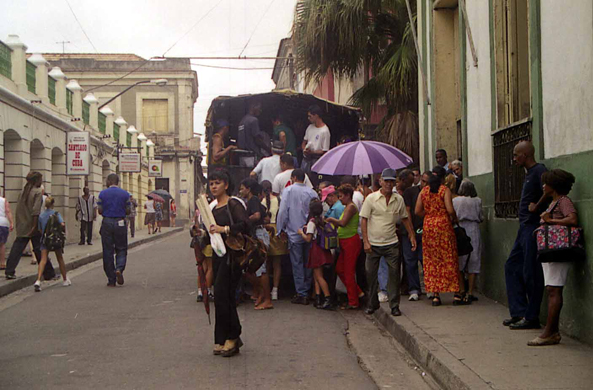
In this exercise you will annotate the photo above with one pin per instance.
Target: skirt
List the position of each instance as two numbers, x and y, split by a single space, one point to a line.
555 274
149 219
318 257
278 246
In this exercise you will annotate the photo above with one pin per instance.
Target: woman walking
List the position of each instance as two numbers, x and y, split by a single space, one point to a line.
231 219
158 215
557 184
468 208
46 238
149 218
6 226
439 246
350 245
173 212
278 245
318 257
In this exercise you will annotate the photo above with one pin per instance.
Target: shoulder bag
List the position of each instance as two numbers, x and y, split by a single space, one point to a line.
247 252
559 243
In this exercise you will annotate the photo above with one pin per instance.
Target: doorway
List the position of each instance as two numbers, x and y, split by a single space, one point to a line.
162 183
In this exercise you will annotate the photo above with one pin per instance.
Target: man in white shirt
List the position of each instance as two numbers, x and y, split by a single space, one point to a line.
282 180
86 213
269 167
316 140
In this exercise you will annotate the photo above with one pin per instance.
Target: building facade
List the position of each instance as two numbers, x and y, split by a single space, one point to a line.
502 71
159 104
39 105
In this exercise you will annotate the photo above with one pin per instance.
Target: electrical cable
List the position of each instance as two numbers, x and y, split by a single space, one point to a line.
256 26
82 28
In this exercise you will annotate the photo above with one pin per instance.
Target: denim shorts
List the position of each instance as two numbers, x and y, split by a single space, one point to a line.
3 234
262 234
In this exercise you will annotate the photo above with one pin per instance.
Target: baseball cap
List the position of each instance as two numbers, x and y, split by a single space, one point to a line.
277 147
327 191
388 174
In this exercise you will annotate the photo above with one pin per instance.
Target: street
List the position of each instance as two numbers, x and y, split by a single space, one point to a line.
151 334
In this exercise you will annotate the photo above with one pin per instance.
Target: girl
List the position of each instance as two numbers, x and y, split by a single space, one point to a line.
278 246
158 215
318 257
149 218
6 226
173 211
43 220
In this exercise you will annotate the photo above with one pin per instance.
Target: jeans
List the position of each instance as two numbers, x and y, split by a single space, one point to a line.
411 259
303 276
16 252
392 258
383 274
86 227
114 237
226 319
346 267
132 223
524 276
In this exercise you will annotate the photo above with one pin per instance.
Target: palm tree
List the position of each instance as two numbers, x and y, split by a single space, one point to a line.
347 37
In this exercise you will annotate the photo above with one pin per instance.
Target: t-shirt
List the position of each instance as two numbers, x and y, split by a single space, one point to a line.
254 206
335 211
268 168
317 138
358 199
410 198
44 219
282 180
312 229
290 138
562 208
273 209
26 209
531 193
114 202
383 217
247 131
3 219
149 205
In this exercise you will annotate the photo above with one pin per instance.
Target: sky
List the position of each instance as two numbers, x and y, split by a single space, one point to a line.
150 27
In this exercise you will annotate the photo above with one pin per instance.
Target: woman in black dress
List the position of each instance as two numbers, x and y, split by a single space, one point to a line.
227 328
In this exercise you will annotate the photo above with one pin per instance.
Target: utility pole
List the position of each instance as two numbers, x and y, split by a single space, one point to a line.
63 43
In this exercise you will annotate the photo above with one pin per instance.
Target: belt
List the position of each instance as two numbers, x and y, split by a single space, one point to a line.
114 217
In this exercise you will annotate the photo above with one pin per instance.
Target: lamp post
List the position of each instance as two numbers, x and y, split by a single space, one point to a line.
159 82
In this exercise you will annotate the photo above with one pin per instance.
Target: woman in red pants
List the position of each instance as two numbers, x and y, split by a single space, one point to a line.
350 245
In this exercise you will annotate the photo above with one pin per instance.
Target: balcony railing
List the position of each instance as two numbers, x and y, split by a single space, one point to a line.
508 177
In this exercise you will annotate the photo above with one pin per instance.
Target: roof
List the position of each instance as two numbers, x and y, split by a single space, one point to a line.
94 56
278 64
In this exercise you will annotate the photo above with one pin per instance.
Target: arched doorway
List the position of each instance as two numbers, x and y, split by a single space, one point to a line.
40 162
58 184
16 165
106 171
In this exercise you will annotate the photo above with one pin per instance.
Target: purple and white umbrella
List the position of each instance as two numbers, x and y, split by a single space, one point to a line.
361 158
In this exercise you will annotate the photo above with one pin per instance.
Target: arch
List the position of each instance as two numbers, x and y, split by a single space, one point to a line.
58 186
14 165
41 162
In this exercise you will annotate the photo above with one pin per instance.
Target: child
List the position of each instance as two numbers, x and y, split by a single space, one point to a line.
318 257
43 222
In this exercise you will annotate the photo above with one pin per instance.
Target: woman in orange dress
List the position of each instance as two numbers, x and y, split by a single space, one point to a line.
439 245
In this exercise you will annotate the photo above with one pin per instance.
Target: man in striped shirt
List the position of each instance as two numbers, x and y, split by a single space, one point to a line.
86 213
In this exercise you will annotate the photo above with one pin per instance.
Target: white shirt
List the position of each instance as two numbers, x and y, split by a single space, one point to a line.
149 205
317 138
86 207
268 168
358 200
312 229
3 220
282 180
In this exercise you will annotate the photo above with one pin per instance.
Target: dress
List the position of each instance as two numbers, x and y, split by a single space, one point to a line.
158 211
318 257
469 212
439 246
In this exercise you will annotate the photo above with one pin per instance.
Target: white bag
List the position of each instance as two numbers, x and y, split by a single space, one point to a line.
216 240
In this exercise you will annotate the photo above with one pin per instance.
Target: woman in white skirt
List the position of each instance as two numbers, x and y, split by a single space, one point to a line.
557 184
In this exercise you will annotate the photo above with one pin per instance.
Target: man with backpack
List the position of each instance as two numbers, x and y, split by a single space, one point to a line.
292 216
114 206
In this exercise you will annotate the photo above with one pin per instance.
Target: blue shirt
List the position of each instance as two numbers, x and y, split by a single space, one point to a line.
114 200
532 192
294 209
44 219
335 211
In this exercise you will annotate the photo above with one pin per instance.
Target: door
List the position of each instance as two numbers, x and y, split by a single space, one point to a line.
162 183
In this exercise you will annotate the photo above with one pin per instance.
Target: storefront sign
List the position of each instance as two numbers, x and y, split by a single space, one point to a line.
78 153
129 162
155 168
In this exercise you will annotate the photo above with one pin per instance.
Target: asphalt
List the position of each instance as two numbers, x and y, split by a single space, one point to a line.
151 334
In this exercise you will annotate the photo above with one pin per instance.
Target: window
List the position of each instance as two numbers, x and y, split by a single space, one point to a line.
116 132
51 89
69 98
5 61
86 112
155 115
128 139
31 77
102 123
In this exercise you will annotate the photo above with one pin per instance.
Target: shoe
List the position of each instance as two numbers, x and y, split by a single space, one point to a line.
217 349
9 277
552 340
274 294
81 243
210 297
300 300
383 297
37 286
317 304
90 243
436 301
231 347
349 307
119 276
510 321
132 236
327 304
396 312
67 283
200 297
414 297
111 284
370 310
525 324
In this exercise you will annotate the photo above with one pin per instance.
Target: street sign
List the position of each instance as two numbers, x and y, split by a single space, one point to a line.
155 168
78 153
129 162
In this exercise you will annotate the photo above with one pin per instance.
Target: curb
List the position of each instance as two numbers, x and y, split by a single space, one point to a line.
448 371
27 281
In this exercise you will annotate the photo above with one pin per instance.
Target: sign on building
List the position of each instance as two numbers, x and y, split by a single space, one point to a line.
78 153
155 168
129 162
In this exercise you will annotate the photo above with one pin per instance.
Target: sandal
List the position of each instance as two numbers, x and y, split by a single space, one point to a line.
436 301
349 307
457 299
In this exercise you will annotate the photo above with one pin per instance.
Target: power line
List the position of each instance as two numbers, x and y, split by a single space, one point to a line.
232 68
256 26
124 76
82 28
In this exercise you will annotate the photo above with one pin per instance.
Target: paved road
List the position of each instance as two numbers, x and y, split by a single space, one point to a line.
151 334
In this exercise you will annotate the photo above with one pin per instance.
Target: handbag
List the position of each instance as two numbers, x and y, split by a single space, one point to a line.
247 252
464 242
559 243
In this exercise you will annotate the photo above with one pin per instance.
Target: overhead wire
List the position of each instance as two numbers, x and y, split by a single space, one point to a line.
82 28
256 26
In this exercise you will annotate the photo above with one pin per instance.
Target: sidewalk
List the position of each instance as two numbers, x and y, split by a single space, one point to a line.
74 256
467 347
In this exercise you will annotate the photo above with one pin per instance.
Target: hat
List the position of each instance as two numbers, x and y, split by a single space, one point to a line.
221 123
277 147
388 174
327 191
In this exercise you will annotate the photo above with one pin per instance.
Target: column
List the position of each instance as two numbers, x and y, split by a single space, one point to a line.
60 77
19 66
93 111
41 82
76 101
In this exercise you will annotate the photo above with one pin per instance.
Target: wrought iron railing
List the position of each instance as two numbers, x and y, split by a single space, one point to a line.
508 177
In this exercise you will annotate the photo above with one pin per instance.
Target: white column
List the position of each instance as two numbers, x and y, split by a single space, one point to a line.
19 65
76 101
93 110
108 112
41 82
60 77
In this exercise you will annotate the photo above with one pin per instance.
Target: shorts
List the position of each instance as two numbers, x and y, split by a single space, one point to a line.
555 274
262 235
149 219
4 231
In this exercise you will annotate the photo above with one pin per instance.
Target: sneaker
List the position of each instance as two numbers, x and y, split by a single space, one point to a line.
274 294
66 283
10 276
414 297
119 276
37 286
383 296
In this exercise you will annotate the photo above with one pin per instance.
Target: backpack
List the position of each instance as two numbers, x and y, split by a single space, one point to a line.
327 237
53 235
